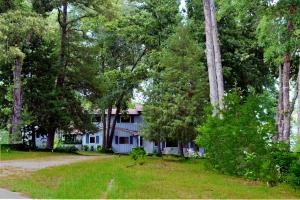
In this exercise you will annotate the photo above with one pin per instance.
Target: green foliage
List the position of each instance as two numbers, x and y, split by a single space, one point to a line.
138 154
4 136
99 148
85 147
178 90
241 143
293 176
66 149
237 143
242 56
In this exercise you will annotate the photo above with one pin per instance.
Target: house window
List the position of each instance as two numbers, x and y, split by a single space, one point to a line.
116 140
131 139
92 139
118 120
125 119
124 140
141 141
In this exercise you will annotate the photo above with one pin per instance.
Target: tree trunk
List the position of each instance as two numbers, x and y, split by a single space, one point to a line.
180 149
212 76
108 126
50 138
298 109
279 114
113 127
159 148
286 97
104 130
33 137
15 134
217 54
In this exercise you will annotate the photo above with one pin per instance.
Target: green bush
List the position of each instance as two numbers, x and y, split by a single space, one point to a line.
99 148
85 147
293 176
66 149
237 143
241 143
138 154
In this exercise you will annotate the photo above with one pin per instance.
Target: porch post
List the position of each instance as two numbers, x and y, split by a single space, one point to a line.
139 141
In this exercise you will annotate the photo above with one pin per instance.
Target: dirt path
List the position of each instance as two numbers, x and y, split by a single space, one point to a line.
15 167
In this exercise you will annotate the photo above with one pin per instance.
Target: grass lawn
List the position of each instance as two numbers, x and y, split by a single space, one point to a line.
14 155
117 177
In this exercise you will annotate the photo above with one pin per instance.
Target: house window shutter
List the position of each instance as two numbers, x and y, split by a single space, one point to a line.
97 139
116 140
87 138
131 139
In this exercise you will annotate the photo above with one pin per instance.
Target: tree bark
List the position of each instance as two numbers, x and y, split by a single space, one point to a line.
298 108
108 126
279 114
180 149
15 133
50 138
212 76
113 127
104 130
217 54
159 148
285 98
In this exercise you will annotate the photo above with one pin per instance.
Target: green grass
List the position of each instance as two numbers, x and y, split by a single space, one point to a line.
15 155
157 178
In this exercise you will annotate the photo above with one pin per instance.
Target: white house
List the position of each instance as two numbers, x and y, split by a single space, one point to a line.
127 136
127 133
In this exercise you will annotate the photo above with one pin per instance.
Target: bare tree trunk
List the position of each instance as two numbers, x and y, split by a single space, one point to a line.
50 138
15 133
104 130
212 76
113 127
279 114
217 54
298 108
286 96
108 126
159 147
180 149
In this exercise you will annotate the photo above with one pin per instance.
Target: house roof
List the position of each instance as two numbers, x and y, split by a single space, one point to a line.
130 111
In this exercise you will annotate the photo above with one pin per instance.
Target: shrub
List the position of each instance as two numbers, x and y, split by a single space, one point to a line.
106 150
237 143
99 148
66 149
138 154
293 176
85 147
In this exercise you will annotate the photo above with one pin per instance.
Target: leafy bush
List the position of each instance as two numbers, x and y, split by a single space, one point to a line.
4 136
106 150
138 154
237 143
85 147
241 143
66 149
293 176
99 148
